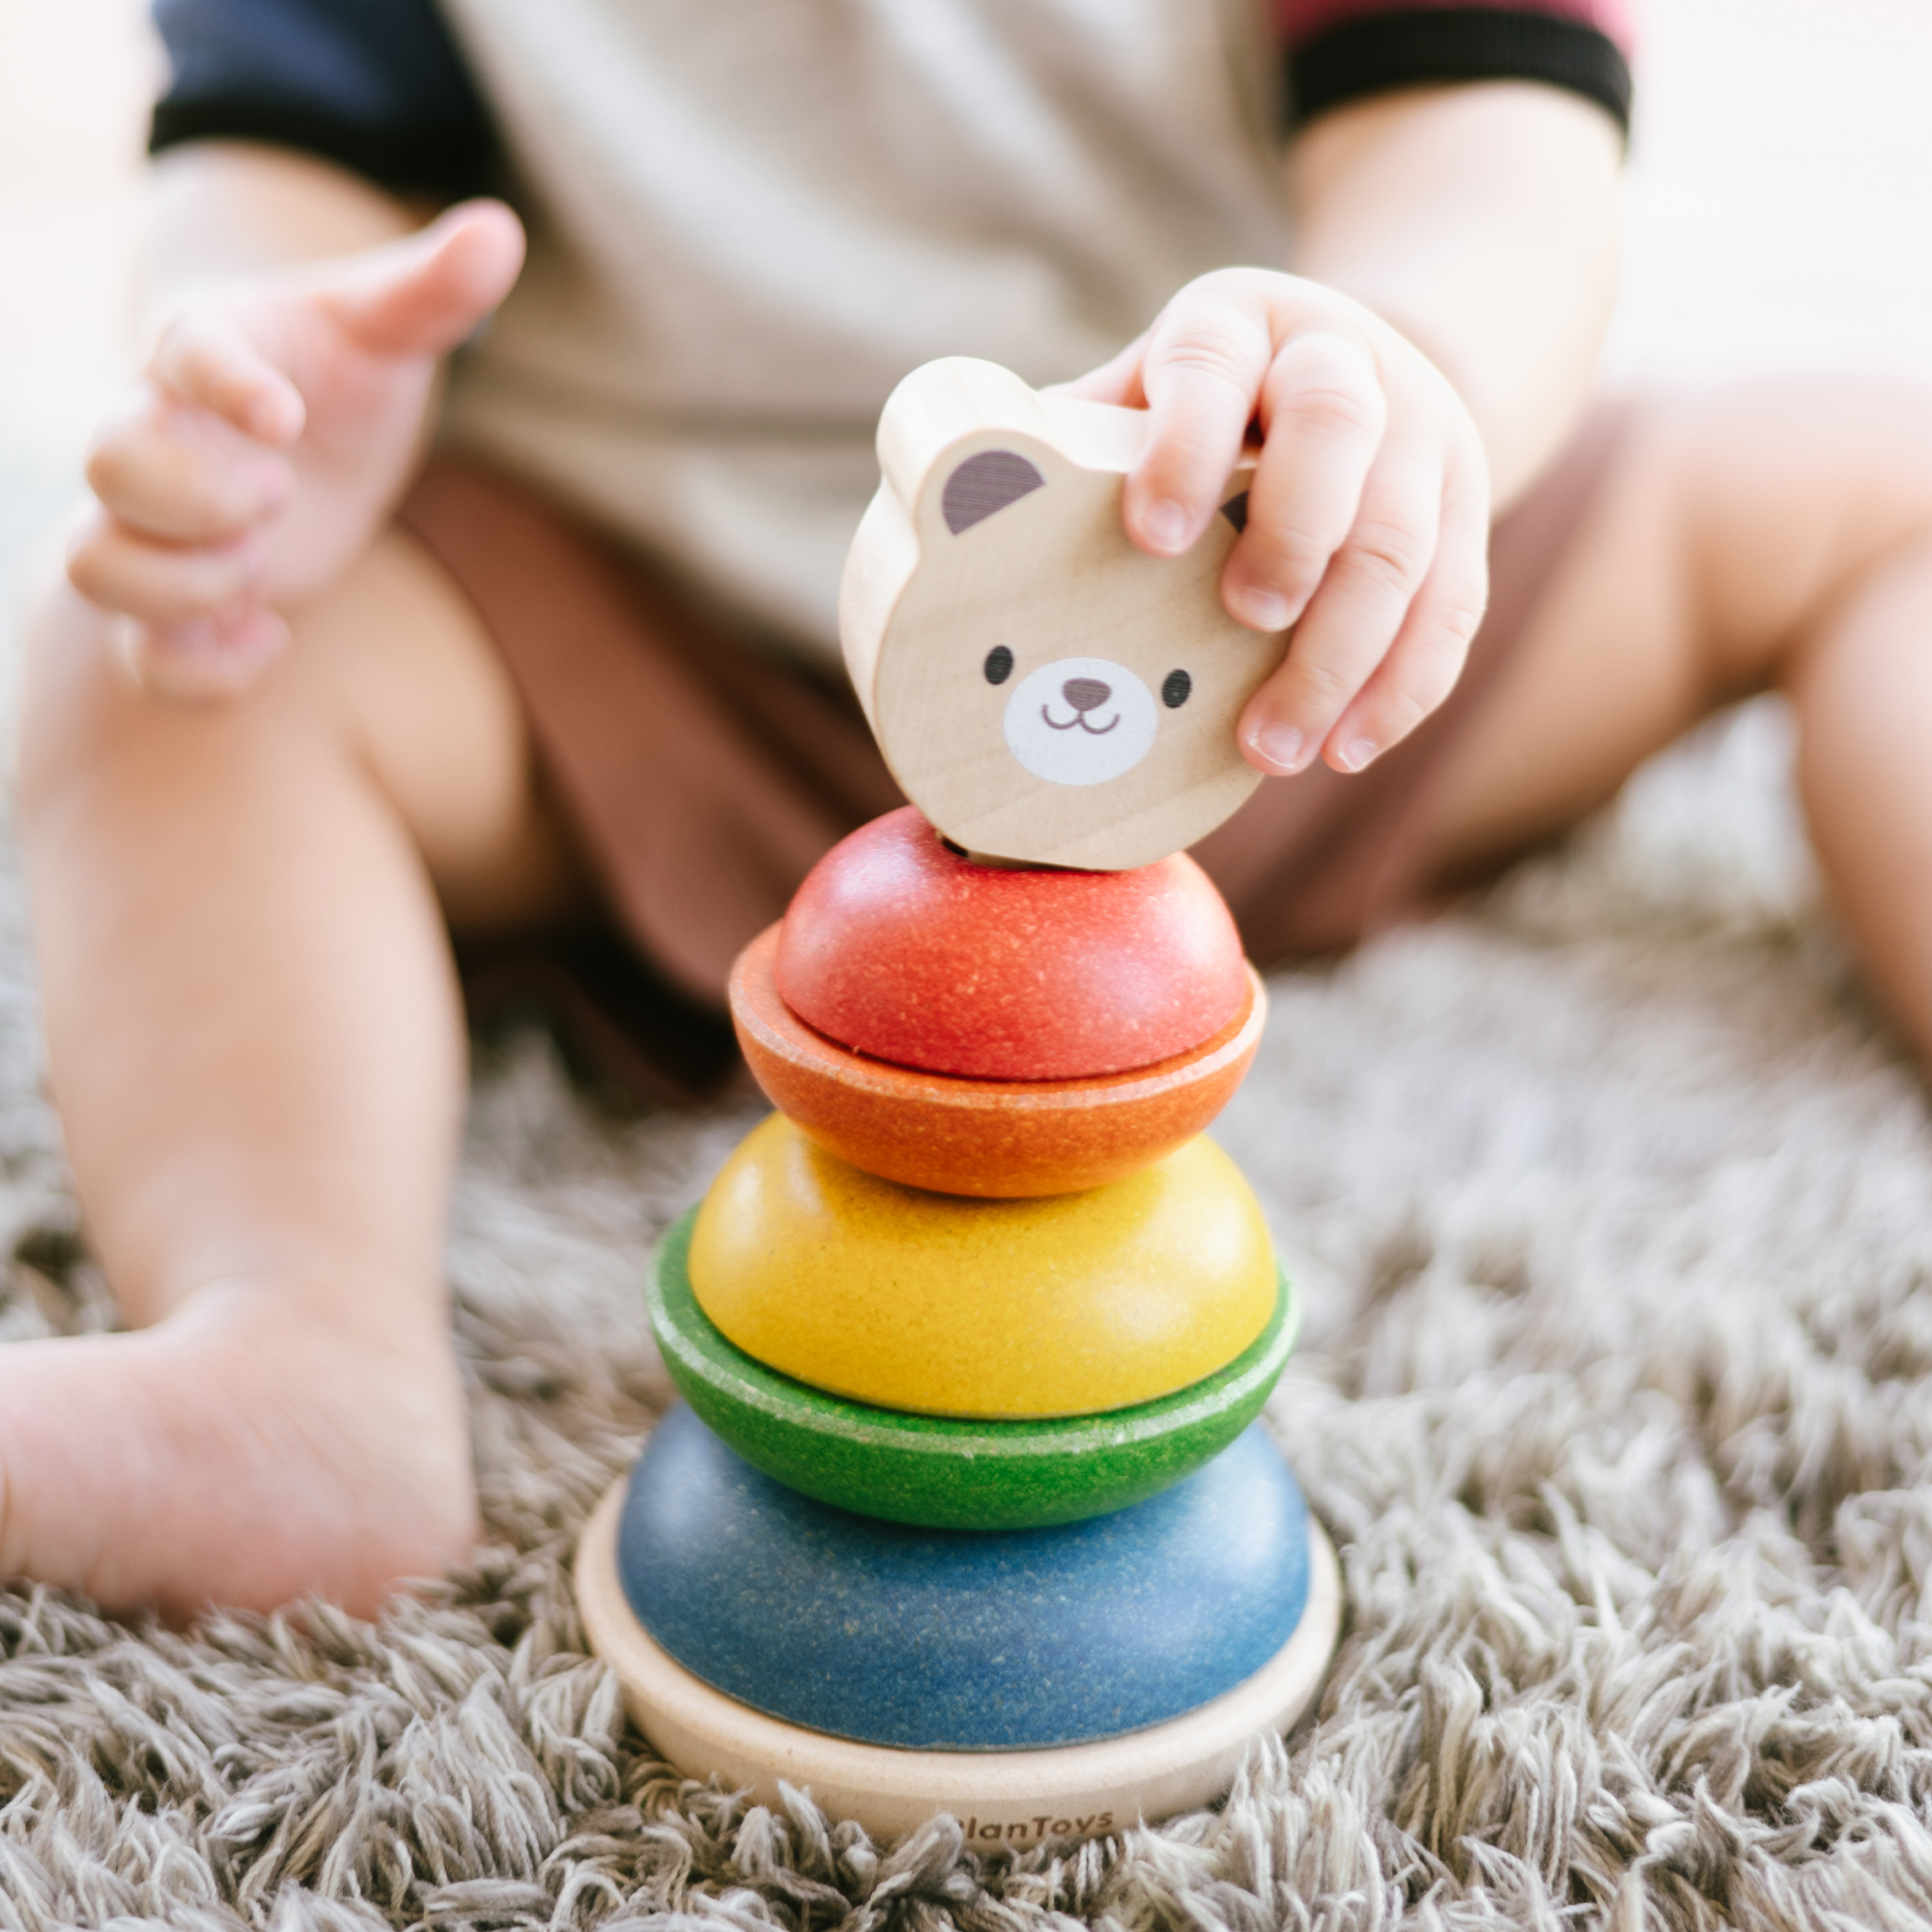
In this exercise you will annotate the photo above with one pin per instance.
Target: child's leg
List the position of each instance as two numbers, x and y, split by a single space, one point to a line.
1775 536
257 1050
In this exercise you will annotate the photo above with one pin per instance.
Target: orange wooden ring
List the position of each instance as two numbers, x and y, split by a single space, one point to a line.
1004 1139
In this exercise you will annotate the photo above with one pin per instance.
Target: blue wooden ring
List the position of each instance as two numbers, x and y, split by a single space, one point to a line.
950 1640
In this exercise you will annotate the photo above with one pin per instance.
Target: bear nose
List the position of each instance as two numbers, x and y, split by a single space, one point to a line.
1086 694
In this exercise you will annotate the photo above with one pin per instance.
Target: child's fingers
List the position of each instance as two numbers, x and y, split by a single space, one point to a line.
423 295
1323 414
1202 374
1356 614
210 658
158 584
172 470
1118 381
204 357
1427 656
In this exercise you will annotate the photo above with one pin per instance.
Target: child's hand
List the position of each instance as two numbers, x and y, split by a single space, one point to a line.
1368 518
272 431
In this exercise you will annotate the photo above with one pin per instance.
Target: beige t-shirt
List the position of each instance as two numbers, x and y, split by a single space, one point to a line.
749 219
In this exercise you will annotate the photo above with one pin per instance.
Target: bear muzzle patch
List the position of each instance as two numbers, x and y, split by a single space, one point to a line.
1081 720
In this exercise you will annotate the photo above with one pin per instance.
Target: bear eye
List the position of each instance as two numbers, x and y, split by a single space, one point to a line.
1174 694
1000 665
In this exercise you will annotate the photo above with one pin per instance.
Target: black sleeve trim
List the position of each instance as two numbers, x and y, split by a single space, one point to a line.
451 161
379 86
1426 45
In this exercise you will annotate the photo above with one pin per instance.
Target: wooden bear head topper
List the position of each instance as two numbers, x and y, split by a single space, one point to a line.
1042 690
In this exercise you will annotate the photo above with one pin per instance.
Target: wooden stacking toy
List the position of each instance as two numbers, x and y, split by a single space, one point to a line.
967 1508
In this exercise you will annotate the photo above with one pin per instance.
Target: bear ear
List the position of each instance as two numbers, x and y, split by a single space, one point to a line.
985 483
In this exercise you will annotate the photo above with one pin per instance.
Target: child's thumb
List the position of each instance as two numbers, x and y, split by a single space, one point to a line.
424 293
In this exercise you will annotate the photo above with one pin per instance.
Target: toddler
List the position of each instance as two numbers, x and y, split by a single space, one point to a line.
418 599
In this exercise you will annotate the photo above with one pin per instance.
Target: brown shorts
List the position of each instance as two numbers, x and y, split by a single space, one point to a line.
703 777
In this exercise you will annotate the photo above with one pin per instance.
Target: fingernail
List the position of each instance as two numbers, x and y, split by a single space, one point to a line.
1356 753
1279 746
1164 525
1259 609
194 633
271 420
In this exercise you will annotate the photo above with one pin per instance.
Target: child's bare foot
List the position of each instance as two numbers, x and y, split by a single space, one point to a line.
252 1448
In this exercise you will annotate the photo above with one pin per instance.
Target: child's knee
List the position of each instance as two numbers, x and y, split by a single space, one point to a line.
1841 464
69 670
83 714
1772 499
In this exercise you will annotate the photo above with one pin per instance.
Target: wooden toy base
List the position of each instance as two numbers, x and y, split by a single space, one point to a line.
1014 1797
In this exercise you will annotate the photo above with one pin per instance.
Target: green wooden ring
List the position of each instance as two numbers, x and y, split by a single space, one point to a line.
940 1472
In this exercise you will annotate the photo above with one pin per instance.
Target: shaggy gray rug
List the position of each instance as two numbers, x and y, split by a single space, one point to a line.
1610 1196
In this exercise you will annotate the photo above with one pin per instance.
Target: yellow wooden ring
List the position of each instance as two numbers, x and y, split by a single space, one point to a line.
1064 1305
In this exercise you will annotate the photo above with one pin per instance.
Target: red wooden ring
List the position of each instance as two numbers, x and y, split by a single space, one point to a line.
995 1138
